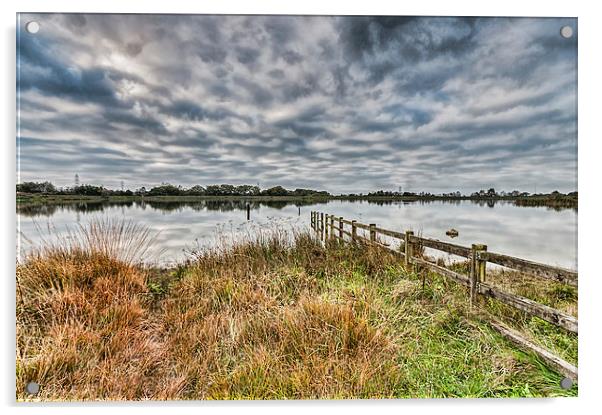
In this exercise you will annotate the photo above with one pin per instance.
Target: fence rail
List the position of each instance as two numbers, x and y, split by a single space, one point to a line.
333 227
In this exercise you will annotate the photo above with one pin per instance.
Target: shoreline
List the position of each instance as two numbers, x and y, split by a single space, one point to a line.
546 201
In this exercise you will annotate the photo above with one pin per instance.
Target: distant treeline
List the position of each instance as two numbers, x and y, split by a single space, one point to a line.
166 189
481 194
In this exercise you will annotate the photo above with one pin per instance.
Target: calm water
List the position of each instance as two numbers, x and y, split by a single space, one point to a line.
535 233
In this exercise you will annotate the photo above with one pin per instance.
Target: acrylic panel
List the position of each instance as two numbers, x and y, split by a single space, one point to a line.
295 207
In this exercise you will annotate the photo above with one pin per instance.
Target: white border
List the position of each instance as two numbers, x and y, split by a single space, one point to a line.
589 188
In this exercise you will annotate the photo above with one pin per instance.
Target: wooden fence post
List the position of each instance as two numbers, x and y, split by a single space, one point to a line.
372 232
353 231
311 220
326 226
341 228
408 248
331 226
482 264
321 225
477 271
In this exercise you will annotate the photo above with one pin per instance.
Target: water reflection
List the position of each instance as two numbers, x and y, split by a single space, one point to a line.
537 233
33 210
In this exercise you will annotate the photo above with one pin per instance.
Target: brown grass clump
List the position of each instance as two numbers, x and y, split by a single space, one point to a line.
250 322
83 331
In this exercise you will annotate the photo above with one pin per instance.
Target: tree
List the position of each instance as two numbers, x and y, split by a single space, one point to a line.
275 191
165 189
247 190
89 190
196 190
35 187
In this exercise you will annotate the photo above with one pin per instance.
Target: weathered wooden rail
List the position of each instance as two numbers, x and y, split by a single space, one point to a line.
333 227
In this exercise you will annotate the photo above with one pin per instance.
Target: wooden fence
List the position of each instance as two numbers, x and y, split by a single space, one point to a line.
336 227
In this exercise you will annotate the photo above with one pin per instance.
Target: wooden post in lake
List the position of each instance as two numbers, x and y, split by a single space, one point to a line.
372 232
341 228
299 211
409 248
477 270
248 211
353 231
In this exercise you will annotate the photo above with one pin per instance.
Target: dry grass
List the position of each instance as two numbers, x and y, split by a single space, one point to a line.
275 317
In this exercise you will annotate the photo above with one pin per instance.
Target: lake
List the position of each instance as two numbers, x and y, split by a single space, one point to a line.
536 233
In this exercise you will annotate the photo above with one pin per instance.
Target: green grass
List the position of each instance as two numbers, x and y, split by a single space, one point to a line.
268 319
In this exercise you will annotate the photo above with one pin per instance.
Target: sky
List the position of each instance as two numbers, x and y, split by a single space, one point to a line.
337 103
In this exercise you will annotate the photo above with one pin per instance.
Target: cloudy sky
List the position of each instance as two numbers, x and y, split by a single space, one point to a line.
345 104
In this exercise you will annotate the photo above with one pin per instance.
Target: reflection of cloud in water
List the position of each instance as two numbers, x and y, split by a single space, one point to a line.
534 233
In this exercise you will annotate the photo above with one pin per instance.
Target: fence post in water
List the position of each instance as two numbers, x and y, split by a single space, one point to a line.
299 211
341 227
477 270
248 211
353 231
408 248
372 232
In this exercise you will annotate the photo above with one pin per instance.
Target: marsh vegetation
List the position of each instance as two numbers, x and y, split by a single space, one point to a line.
277 315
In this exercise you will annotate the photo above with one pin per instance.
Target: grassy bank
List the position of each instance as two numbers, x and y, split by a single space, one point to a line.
266 319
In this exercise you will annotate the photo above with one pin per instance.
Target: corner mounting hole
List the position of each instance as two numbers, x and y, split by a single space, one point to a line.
566 383
32 27
566 32
32 388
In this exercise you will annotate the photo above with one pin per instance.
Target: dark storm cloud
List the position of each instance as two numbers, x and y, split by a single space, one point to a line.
42 71
348 104
247 56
